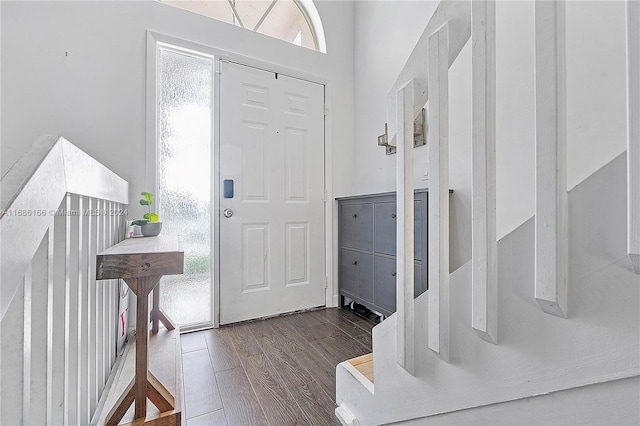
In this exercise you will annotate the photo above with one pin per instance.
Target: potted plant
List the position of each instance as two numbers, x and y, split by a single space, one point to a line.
149 224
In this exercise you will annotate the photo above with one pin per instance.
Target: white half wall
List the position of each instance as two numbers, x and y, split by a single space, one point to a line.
611 403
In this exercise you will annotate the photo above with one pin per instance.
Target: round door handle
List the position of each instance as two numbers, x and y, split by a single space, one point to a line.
354 263
227 213
393 215
355 216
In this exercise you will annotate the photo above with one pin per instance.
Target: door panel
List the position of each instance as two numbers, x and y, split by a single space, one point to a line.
255 256
297 260
255 161
272 146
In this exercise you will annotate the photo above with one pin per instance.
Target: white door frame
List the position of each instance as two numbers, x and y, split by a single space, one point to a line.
221 56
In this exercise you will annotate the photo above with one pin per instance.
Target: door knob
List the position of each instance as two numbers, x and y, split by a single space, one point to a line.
227 213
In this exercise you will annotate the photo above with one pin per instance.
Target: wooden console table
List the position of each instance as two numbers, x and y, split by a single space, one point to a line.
141 262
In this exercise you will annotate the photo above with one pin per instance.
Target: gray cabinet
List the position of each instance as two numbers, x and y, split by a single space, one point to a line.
367 249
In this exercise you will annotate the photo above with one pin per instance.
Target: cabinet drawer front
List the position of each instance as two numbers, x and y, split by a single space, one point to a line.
385 228
356 274
356 226
384 287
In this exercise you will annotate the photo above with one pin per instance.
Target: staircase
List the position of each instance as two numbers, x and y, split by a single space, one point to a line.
543 326
58 327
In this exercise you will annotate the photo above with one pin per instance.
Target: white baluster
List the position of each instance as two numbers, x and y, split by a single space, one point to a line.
102 306
484 314
404 235
438 209
112 292
109 286
58 319
71 337
38 332
92 307
83 312
551 229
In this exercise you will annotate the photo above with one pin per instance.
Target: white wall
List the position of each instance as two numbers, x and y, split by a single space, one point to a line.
386 33
596 126
77 69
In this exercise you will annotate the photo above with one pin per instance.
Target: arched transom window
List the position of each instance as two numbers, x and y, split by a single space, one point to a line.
295 21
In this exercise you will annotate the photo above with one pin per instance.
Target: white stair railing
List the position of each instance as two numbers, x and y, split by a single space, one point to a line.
58 329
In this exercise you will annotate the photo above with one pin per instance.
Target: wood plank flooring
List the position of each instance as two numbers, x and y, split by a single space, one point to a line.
278 371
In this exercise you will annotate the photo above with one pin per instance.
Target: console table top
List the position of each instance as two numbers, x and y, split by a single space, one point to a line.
141 257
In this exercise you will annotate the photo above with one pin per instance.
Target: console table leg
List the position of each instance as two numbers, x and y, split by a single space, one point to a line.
121 406
158 315
155 311
142 329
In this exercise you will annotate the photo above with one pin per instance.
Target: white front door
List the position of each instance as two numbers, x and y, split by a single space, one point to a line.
272 148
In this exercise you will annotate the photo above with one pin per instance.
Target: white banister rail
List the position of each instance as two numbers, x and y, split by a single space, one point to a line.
58 336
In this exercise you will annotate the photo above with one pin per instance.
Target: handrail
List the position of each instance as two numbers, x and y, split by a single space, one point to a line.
30 194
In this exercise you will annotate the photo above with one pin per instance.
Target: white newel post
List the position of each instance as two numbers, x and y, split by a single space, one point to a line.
404 229
633 141
551 229
484 244
438 209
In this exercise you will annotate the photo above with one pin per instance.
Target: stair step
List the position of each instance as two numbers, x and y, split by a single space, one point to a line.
364 364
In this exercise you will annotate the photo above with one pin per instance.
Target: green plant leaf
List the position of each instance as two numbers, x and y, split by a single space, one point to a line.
144 202
139 222
151 217
148 196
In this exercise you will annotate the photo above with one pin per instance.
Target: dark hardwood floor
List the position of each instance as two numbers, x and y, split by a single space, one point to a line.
278 371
